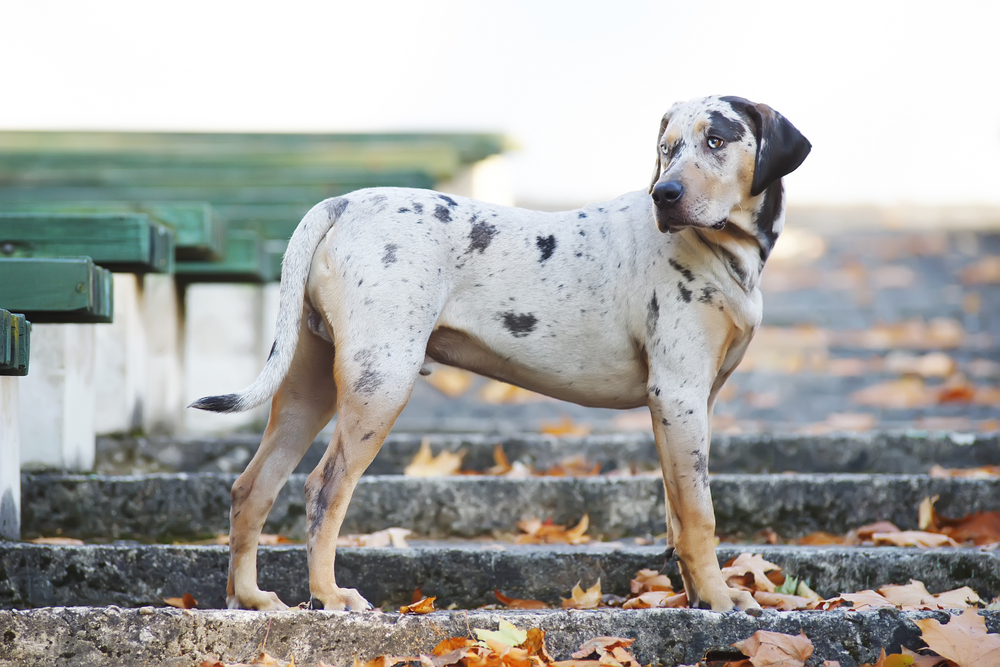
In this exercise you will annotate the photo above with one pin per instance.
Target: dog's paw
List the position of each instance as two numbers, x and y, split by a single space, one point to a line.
343 599
727 599
258 599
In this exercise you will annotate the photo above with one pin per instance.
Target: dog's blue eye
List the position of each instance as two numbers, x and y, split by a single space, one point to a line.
663 149
715 142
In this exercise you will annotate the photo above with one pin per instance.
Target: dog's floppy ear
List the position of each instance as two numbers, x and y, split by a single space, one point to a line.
780 147
659 154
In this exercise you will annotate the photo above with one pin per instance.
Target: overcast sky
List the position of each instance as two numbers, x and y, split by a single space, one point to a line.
901 100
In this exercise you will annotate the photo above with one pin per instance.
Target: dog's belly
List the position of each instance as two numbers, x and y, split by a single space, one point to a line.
570 373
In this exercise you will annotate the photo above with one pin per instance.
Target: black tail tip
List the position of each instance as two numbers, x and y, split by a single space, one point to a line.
224 403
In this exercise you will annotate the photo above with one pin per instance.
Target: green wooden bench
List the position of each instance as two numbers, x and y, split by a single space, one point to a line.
57 290
15 343
245 261
121 242
199 234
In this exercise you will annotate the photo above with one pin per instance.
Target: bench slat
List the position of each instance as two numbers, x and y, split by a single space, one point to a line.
122 242
57 290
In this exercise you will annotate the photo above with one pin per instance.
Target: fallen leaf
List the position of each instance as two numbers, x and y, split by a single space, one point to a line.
754 565
783 602
819 538
425 464
507 633
574 466
185 602
583 599
538 532
424 606
982 472
608 647
904 393
979 528
932 364
535 644
515 603
656 600
501 464
650 580
496 392
866 599
450 381
774 649
918 659
395 537
273 540
65 541
913 538
565 427
963 639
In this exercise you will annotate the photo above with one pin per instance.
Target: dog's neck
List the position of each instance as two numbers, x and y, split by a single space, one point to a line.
741 251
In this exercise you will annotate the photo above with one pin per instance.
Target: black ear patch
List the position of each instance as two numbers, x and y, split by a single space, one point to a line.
781 148
659 135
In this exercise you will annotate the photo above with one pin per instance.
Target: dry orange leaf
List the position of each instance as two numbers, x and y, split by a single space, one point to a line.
450 381
650 580
904 393
915 595
783 601
986 270
539 532
820 538
496 392
574 466
963 640
754 565
656 600
866 599
185 602
604 648
395 537
425 464
979 528
982 472
583 599
913 538
774 649
424 606
918 659
515 603
65 541
564 427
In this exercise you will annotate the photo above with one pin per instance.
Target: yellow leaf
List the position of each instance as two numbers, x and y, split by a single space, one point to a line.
583 599
452 382
425 464
424 606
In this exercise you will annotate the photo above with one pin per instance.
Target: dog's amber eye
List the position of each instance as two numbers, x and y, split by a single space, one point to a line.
715 142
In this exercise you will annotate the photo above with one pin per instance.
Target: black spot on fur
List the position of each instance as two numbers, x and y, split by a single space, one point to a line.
442 214
683 270
368 436
547 244
706 294
335 207
738 269
652 315
317 509
448 200
701 466
224 403
581 215
274 346
725 128
418 208
481 235
403 210
369 382
765 216
519 325
665 422
684 293
389 256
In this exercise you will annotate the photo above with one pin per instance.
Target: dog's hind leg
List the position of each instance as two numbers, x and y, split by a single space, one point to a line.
374 383
304 404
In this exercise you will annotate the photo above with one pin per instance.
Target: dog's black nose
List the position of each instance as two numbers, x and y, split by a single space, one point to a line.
665 194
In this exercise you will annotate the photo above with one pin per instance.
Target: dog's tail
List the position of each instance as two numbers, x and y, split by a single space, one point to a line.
294 274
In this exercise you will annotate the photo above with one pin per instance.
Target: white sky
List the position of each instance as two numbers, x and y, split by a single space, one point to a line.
901 100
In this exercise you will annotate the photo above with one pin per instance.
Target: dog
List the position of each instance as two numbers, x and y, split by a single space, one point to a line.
649 299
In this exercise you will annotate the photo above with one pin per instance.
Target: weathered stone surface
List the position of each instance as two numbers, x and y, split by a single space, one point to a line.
167 506
877 452
112 636
133 576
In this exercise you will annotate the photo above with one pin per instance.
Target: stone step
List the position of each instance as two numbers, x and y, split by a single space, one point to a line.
875 452
93 637
463 575
164 507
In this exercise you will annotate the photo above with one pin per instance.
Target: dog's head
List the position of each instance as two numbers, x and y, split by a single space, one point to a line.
717 156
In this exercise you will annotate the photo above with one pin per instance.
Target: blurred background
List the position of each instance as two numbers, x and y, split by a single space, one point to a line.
220 123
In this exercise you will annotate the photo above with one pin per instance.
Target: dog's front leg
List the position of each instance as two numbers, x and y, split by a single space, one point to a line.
681 428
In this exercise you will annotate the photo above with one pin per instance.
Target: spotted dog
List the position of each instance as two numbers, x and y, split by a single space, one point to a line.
649 299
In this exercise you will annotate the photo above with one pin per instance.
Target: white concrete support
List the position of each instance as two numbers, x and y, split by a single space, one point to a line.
163 399
10 461
56 415
223 352
487 180
120 361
